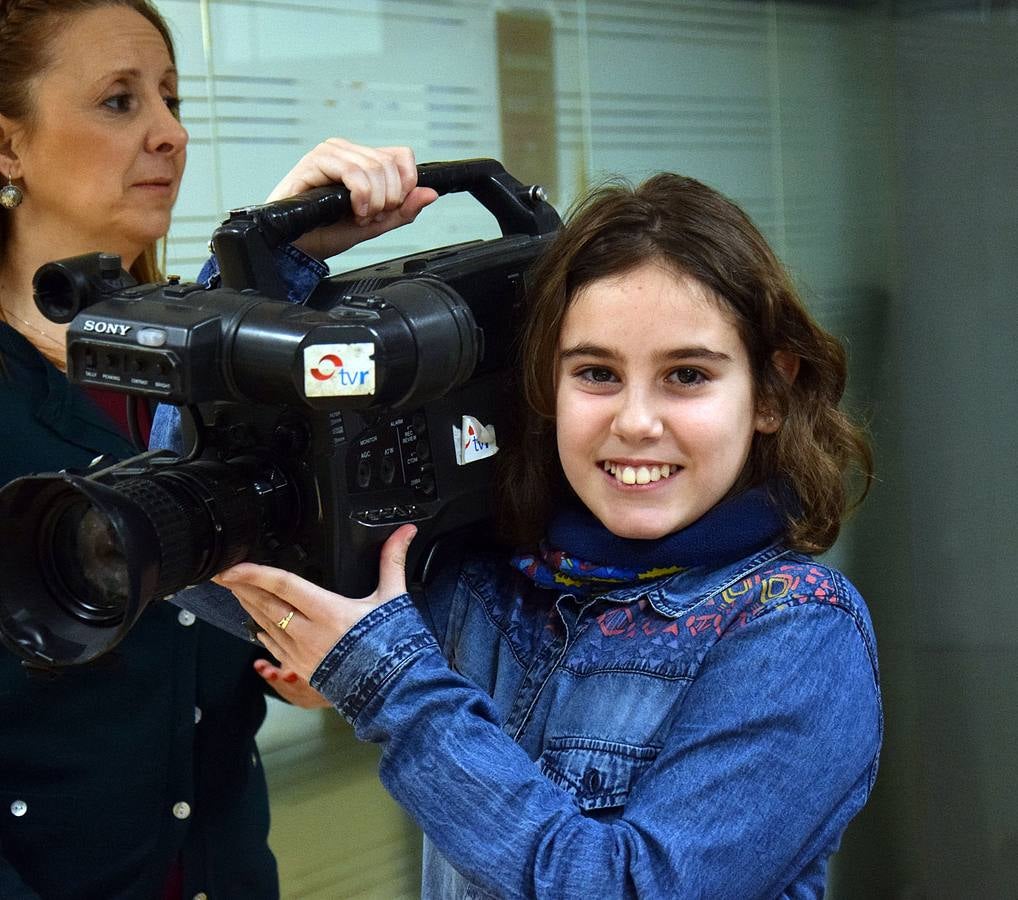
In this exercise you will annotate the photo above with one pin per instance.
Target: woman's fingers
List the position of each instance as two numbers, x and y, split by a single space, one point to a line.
378 179
290 686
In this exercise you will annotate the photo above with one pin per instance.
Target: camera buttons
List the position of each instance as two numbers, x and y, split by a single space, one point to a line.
152 337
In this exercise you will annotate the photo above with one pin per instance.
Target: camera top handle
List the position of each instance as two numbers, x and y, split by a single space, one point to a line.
243 243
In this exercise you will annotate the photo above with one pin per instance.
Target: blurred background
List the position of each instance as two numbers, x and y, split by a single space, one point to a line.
875 144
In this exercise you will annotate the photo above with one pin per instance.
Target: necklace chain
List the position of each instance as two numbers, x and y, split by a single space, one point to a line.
8 315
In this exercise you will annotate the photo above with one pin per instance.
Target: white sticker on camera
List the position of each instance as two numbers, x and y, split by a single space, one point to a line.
474 441
339 370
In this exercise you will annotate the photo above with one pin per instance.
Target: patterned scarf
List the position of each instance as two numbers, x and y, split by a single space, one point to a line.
581 554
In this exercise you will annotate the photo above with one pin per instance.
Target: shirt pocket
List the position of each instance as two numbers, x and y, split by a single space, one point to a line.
599 774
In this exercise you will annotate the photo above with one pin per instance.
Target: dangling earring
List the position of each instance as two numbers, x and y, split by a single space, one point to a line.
11 195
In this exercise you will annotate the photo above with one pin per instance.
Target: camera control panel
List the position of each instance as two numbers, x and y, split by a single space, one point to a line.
394 453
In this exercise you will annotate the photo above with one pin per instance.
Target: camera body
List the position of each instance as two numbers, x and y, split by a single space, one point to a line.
315 430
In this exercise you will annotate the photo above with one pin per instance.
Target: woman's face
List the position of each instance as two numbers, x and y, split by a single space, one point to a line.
102 158
655 401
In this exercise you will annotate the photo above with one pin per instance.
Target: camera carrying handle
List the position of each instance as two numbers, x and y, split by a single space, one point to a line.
243 243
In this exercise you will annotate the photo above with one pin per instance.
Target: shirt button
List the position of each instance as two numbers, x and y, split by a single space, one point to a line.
254 760
19 808
182 810
201 895
592 780
197 715
186 617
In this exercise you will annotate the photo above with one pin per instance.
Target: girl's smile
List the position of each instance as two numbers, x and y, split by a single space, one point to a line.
655 401
639 473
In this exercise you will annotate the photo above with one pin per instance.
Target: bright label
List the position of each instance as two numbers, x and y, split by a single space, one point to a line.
339 370
474 441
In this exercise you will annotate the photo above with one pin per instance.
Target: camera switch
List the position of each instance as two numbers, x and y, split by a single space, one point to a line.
152 337
364 473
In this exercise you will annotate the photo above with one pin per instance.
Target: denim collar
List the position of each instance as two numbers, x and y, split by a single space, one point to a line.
677 594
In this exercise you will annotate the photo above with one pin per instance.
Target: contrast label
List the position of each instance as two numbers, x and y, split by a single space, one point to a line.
339 370
474 441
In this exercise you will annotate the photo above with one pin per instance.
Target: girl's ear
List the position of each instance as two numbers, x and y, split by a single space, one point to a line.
787 364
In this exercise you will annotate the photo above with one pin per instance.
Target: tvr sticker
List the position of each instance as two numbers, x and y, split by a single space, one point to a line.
339 370
474 441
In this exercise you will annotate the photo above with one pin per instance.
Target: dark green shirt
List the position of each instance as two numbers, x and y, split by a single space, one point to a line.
111 773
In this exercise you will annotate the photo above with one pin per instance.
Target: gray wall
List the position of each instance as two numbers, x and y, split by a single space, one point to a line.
935 550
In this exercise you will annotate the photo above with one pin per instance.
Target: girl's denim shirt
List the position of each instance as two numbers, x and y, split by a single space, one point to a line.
710 735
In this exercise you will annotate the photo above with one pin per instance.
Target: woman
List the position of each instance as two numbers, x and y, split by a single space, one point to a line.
663 695
138 777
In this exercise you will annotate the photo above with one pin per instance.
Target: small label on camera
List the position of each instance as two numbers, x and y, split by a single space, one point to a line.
339 370
474 441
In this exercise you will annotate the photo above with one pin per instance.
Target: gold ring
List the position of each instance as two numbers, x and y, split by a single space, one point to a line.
283 622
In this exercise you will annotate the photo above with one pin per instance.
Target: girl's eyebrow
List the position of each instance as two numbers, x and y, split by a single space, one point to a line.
596 351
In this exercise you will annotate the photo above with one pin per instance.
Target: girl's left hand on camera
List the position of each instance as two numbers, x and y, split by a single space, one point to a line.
301 622
383 191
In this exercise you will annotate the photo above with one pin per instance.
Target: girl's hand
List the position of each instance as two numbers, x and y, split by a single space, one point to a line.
301 622
383 192
290 686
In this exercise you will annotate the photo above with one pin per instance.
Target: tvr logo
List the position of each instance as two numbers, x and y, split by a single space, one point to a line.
339 370
474 441
117 329
331 366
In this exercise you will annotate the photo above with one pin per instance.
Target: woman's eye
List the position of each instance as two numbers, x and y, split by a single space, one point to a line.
173 105
688 376
119 102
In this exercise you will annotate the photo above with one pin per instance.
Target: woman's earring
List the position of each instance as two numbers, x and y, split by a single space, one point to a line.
11 195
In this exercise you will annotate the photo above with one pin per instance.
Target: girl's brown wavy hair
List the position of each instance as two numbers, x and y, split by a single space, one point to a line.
699 233
27 31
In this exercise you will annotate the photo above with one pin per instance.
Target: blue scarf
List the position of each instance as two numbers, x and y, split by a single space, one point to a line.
581 554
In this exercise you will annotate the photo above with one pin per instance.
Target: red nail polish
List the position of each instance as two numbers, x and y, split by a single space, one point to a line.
291 678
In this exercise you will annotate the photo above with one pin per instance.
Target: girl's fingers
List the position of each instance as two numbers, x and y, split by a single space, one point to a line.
392 568
276 589
269 642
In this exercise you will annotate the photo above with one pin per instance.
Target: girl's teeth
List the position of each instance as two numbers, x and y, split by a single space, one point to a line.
639 474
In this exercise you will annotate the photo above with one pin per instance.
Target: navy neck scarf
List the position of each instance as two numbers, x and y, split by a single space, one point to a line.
580 553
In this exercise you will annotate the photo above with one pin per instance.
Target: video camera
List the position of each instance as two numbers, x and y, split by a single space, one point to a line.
316 430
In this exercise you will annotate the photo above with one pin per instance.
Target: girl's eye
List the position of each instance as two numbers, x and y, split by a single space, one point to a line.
119 102
173 105
687 376
596 375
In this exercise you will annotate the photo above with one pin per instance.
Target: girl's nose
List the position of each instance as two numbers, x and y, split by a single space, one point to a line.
637 417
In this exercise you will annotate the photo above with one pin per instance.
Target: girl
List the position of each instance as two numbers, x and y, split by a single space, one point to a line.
667 696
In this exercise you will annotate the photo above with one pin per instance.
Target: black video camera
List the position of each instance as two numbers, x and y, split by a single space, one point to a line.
315 430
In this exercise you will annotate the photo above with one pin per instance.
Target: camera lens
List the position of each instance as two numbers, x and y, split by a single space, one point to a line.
88 563
84 557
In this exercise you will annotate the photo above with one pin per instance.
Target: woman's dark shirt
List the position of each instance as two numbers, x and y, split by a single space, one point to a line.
111 773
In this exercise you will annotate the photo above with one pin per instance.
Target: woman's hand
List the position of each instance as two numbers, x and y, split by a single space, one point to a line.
383 192
301 622
290 686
